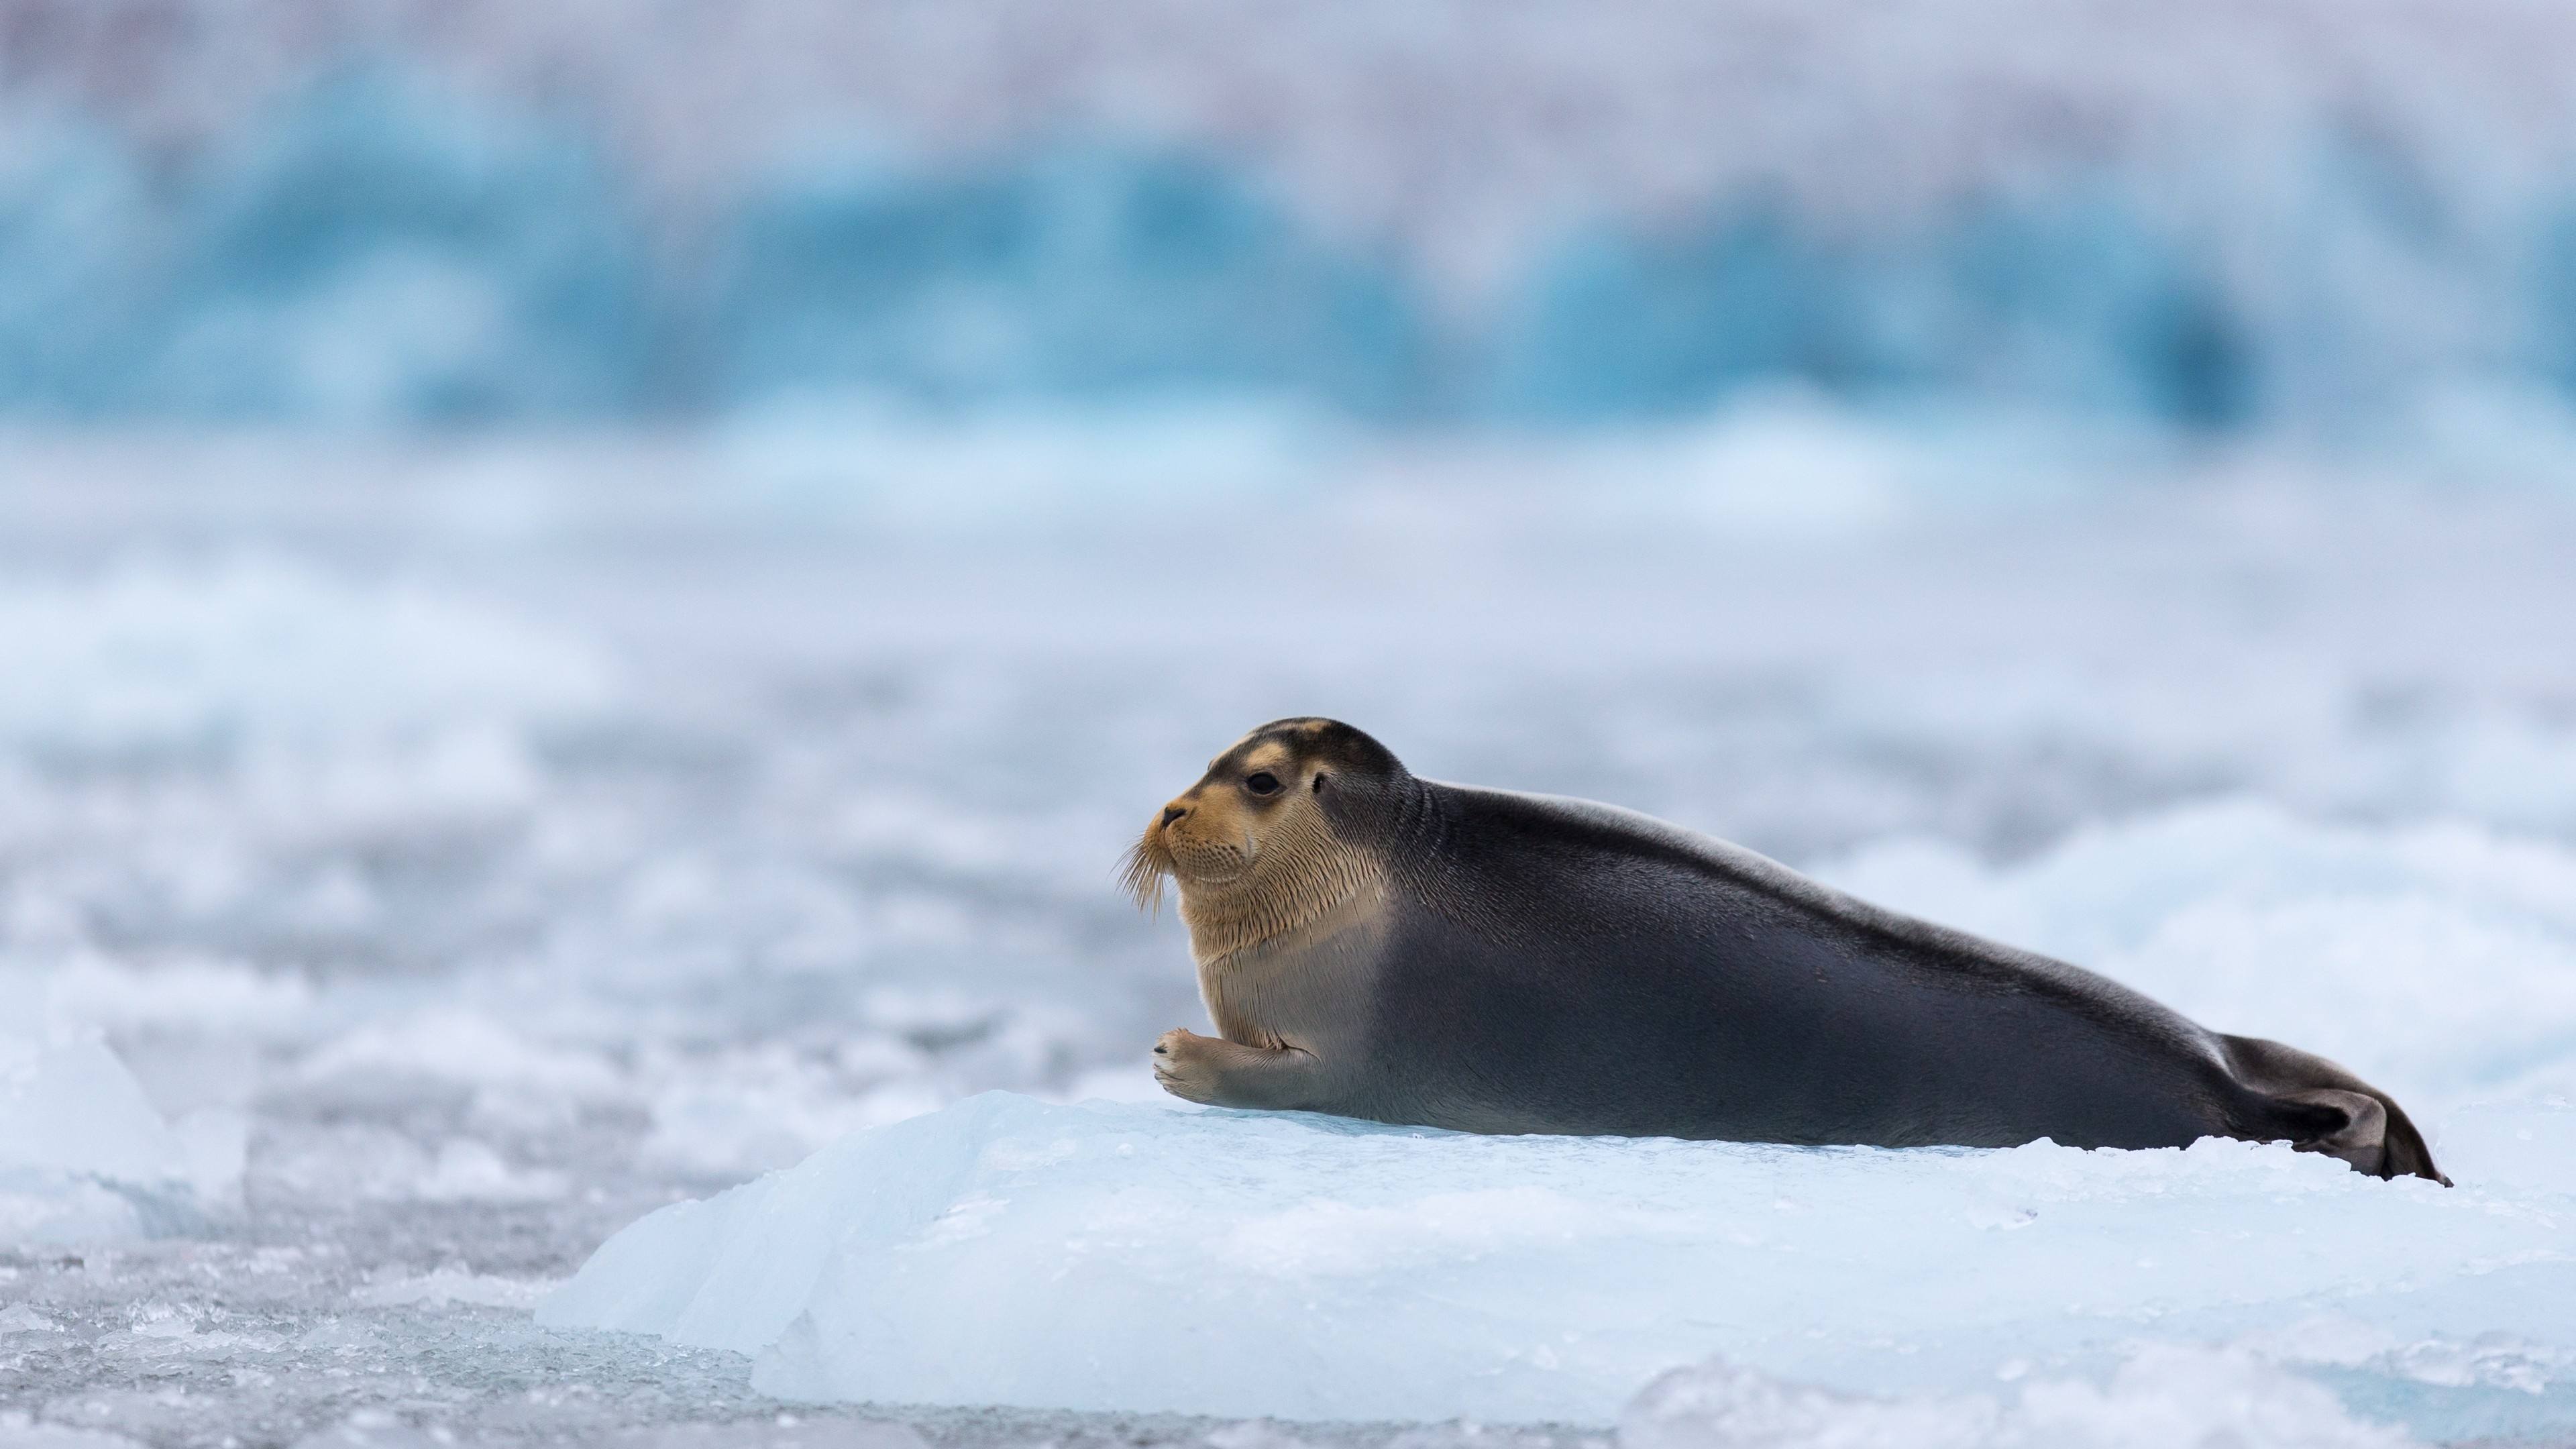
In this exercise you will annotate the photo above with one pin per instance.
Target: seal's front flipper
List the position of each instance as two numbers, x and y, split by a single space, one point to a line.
1222 1073
2320 1107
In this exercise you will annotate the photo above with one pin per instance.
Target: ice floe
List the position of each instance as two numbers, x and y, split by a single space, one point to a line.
1122 1256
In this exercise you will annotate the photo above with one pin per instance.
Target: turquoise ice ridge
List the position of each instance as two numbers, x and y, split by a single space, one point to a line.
1125 1256
382 249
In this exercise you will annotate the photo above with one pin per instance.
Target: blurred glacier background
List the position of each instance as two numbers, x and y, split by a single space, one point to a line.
2290 217
589 592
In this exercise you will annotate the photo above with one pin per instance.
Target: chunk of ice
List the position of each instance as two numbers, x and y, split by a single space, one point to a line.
1118 1256
76 1109
84 1157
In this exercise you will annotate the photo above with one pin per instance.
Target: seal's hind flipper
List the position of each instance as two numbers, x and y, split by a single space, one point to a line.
2320 1107
2350 1125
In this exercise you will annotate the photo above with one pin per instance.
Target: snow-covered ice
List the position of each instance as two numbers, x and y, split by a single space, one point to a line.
416 881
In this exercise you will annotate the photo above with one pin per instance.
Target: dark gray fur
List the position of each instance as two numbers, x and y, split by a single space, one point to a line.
1553 965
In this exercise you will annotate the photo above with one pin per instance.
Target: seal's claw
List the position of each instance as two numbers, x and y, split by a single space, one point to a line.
1184 1066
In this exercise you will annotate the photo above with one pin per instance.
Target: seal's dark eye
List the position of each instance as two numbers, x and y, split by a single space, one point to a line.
1263 783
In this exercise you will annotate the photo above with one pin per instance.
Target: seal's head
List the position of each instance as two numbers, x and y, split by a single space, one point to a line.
1265 841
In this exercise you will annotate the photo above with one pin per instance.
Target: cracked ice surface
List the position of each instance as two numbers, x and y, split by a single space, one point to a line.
417 866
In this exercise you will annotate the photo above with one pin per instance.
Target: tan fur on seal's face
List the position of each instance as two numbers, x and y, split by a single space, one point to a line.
1249 847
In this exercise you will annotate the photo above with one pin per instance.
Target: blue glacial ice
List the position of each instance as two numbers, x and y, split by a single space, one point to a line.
77 269
381 244
1132 1256
367 252
1078 273
2076 301
371 255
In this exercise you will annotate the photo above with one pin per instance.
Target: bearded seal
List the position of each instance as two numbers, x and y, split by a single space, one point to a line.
1371 944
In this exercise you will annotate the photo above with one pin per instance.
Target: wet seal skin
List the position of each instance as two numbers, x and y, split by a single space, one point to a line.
1375 945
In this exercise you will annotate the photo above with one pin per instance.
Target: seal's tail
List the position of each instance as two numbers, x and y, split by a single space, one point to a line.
2320 1107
